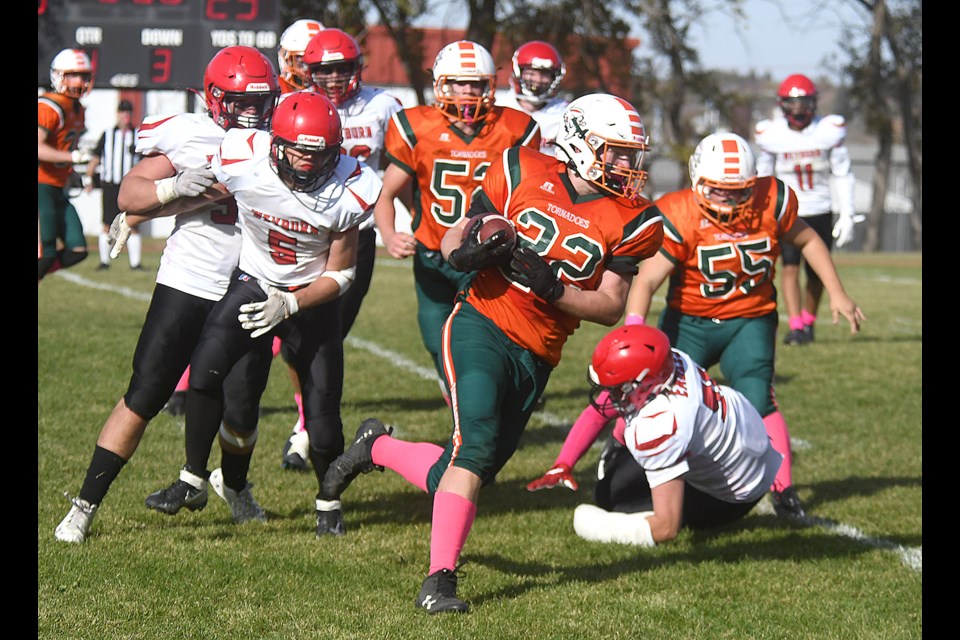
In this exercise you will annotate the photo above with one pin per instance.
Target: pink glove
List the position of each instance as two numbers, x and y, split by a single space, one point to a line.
559 475
632 319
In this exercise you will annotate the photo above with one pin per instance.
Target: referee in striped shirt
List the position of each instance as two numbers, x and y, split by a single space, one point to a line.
112 159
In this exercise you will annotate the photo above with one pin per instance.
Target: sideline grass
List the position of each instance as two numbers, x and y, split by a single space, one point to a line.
854 406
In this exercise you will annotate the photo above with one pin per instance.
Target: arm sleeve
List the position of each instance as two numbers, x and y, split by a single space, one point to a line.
844 183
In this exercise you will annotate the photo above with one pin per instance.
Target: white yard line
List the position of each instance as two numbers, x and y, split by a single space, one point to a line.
912 557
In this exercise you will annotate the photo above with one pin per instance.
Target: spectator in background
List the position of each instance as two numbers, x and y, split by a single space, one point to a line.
113 157
808 152
538 70
60 123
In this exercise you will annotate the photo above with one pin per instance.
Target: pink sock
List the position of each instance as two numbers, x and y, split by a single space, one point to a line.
276 346
452 519
796 323
807 317
299 400
780 439
184 383
583 433
412 460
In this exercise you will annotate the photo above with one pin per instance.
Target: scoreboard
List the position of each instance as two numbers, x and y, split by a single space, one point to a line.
152 44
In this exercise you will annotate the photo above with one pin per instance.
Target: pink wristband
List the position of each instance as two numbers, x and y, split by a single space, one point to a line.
633 319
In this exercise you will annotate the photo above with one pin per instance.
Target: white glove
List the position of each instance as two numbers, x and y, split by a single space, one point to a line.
186 184
119 232
79 157
843 230
264 316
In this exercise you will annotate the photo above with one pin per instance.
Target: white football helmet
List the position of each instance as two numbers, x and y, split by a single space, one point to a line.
603 140
722 174
464 61
72 61
293 42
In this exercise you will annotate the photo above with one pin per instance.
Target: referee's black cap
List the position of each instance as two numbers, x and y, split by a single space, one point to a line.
125 105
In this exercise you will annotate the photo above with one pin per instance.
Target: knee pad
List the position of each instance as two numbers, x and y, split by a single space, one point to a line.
146 402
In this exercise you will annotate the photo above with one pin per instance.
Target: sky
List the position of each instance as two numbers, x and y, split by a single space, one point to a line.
771 43
780 37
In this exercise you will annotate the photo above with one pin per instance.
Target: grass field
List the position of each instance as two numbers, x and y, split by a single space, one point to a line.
853 569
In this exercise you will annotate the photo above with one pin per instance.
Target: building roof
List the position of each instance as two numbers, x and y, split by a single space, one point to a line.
384 67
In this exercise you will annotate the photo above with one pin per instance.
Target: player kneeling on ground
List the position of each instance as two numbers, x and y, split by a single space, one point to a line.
696 455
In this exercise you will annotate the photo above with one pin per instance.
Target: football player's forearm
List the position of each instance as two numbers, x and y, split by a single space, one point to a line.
818 257
602 306
137 195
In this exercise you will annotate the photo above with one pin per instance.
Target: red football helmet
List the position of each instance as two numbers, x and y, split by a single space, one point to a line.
334 61
241 89
541 56
307 123
632 364
798 100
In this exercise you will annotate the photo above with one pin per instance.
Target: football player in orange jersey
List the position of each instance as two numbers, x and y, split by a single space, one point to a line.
60 123
721 243
582 227
293 41
445 150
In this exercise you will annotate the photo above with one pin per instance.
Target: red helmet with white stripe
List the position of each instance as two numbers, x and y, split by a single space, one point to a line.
240 88
723 174
798 100
307 123
603 140
334 62
539 56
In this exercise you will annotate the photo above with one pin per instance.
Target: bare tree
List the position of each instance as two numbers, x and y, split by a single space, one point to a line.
886 83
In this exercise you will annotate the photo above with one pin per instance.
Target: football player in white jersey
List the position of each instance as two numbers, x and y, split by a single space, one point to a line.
809 153
301 204
240 88
334 63
538 70
697 453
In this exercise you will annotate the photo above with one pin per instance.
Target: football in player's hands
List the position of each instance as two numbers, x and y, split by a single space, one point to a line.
492 223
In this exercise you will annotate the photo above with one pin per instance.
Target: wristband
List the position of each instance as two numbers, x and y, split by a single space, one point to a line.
166 189
633 318
344 278
86 180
